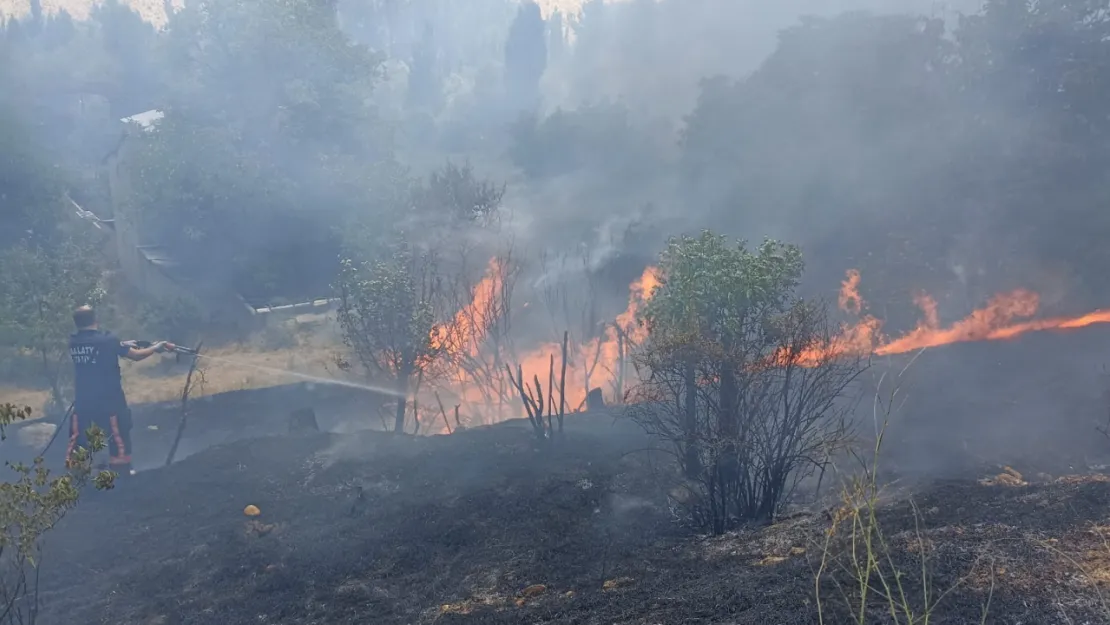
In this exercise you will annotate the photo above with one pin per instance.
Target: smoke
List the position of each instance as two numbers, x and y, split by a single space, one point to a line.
852 134
654 55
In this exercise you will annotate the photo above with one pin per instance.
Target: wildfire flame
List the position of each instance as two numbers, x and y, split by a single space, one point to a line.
467 331
993 322
474 366
463 338
602 361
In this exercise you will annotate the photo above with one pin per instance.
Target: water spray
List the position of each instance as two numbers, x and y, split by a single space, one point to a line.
178 349
304 376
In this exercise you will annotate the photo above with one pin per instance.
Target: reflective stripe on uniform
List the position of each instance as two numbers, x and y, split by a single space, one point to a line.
122 453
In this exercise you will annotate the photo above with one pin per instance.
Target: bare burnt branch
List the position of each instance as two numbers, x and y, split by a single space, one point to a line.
194 380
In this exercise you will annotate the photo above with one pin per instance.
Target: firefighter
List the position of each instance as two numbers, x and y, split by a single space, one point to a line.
99 387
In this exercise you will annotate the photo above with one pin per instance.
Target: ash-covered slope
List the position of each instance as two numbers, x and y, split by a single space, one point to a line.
366 528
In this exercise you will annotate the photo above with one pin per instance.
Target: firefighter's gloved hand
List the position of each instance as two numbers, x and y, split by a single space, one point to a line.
159 347
168 346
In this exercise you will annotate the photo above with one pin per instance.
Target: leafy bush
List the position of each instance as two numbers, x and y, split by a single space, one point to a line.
737 377
30 506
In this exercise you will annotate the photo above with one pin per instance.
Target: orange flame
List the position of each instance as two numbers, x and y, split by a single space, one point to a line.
850 300
995 321
599 362
467 330
602 361
465 335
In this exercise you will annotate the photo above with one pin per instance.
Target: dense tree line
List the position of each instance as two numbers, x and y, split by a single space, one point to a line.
960 156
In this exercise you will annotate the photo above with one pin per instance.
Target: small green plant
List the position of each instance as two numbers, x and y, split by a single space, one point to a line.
30 506
857 556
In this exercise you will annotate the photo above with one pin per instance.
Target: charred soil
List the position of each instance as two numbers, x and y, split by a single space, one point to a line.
483 527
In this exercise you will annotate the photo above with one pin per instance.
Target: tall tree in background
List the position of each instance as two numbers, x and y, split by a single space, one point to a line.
269 142
30 204
808 145
525 57
425 88
66 80
925 158
556 37
136 82
50 263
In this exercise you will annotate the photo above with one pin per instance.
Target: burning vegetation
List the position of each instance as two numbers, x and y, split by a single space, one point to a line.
465 345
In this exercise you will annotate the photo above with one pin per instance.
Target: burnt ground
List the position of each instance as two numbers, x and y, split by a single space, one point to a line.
460 529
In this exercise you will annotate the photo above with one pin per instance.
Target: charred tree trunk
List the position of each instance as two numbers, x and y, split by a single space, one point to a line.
621 347
402 402
416 403
727 460
50 373
533 402
691 453
563 382
595 401
443 412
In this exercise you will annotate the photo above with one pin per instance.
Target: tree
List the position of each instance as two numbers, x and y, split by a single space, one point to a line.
269 143
136 78
48 267
31 203
556 37
388 311
39 288
478 339
75 79
971 132
415 306
279 70
1034 75
739 377
30 506
806 145
601 139
425 85
525 56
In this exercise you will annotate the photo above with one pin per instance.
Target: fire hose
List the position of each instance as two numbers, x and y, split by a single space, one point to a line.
61 426
170 347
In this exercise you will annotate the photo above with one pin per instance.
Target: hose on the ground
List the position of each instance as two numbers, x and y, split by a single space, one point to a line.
61 426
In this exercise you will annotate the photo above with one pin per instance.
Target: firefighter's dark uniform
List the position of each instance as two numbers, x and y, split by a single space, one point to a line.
99 395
